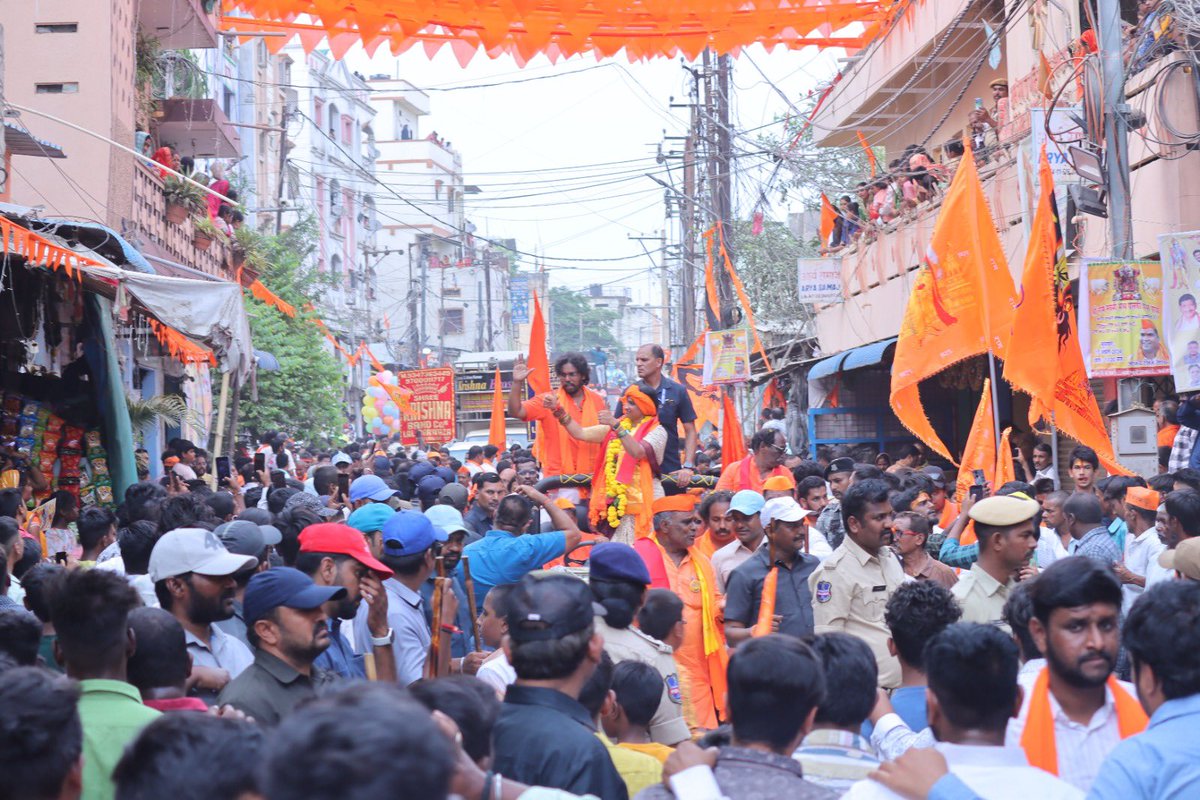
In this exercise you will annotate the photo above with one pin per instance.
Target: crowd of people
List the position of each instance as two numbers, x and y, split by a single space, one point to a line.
383 620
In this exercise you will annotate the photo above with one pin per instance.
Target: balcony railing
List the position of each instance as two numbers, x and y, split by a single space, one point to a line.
175 242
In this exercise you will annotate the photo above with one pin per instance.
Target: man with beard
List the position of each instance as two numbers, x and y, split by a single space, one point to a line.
1075 711
851 589
1007 540
333 554
451 534
288 628
561 454
743 516
912 531
193 578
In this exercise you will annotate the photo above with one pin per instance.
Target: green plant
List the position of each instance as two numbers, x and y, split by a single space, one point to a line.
169 408
253 247
205 227
181 193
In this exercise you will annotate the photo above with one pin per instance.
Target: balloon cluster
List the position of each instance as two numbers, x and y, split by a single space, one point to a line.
380 411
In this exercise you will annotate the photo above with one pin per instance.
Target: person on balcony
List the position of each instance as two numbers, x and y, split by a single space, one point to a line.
991 117
220 186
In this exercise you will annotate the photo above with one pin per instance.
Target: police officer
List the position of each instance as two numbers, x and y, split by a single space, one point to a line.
838 475
618 578
851 588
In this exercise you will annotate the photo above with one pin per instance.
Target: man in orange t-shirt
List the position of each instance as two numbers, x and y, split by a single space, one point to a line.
561 454
767 449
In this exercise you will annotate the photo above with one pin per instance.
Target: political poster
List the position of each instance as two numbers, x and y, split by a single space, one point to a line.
518 300
1180 254
726 357
820 280
432 405
1121 307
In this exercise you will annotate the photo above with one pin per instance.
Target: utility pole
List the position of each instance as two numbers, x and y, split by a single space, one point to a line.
723 196
487 288
283 148
687 222
1116 137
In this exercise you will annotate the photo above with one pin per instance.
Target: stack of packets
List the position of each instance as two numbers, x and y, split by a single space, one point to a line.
47 441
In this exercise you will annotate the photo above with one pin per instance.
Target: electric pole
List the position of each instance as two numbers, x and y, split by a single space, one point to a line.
1116 138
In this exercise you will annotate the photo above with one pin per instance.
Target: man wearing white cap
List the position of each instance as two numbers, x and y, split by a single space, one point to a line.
786 547
1007 540
193 578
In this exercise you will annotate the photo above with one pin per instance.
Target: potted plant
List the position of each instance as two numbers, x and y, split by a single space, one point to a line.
203 233
183 199
246 254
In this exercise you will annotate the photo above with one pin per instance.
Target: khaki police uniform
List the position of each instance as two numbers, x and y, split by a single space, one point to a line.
850 591
981 597
667 726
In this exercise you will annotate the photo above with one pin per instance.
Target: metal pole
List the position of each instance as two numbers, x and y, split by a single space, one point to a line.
282 168
222 405
487 287
1116 139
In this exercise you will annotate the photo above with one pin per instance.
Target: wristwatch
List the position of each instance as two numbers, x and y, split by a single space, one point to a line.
688 465
384 641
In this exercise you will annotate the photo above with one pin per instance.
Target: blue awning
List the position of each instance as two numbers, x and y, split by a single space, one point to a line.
869 355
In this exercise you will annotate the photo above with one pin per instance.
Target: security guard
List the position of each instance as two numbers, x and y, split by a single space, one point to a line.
1007 541
618 578
850 590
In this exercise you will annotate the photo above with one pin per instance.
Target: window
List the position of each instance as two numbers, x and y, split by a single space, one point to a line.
227 102
319 113
56 27
450 201
334 121
335 195
347 129
437 190
451 322
335 265
56 88
452 291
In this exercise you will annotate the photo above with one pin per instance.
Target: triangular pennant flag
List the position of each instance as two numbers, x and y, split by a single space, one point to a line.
539 364
828 219
497 431
980 452
733 443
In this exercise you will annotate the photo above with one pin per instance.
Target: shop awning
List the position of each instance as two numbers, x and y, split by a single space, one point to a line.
868 355
21 142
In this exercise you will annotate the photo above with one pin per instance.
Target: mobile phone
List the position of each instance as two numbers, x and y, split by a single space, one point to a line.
978 103
260 462
222 470
281 460
279 479
344 485
60 557
980 478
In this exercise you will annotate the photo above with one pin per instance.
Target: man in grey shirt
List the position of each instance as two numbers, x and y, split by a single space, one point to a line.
408 544
1090 538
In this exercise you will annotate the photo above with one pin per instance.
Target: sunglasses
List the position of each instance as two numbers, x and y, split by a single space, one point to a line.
778 449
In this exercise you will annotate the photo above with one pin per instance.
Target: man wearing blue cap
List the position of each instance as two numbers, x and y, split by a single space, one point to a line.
451 536
618 579
369 489
743 514
408 550
287 627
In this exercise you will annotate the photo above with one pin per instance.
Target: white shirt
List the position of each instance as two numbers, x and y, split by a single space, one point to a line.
497 673
1081 748
1140 553
1049 471
1049 548
991 772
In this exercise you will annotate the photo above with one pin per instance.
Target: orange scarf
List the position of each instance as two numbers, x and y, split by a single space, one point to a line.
1038 737
589 414
598 502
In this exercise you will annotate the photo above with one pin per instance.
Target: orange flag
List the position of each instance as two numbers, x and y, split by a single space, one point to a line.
497 431
870 153
961 303
1045 360
1005 471
773 395
538 363
828 217
710 283
733 445
980 452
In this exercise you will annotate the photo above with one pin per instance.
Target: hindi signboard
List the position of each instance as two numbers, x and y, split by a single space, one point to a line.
432 405
820 280
1121 308
726 356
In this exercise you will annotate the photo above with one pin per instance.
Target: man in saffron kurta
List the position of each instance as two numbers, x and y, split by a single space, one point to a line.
562 454
767 449
675 563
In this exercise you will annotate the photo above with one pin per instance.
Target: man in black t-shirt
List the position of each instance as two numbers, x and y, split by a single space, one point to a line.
674 406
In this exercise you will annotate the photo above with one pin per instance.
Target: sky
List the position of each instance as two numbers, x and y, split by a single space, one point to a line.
561 161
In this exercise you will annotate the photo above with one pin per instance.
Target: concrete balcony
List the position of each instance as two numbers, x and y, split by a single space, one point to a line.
166 240
178 24
411 155
197 127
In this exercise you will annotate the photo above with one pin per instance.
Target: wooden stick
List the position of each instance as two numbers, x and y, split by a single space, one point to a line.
470 585
435 642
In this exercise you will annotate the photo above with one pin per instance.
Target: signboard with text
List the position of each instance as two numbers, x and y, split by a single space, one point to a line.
1121 312
820 280
1180 253
726 356
518 300
432 405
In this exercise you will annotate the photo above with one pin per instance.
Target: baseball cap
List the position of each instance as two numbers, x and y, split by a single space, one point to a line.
456 493
1145 499
408 533
244 538
333 537
550 605
782 509
311 502
445 473
448 518
370 487
370 518
747 502
419 471
259 516
839 465
340 458
779 483
1184 559
615 561
936 475
196 550
287 587
1001 510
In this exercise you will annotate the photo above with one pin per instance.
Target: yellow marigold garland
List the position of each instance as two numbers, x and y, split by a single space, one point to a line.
615 491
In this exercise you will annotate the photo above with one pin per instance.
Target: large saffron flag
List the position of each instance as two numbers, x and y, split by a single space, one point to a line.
733 444
497 433
1005 469
961 304
979 454
1044 358
538 363
828 218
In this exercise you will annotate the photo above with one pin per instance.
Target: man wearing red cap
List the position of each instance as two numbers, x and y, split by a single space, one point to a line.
333 554
675 563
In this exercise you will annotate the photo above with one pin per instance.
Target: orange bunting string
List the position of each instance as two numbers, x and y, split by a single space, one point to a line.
179 346
261 292
38 250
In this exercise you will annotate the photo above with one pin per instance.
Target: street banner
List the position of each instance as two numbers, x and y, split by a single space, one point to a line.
1123 314
518 299
432 404
820 280
726 357
1180 254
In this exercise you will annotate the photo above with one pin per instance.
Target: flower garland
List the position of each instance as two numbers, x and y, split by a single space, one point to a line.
615 491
